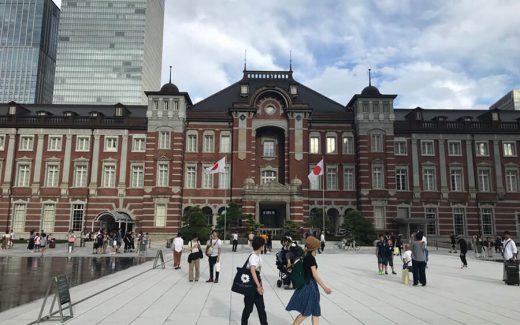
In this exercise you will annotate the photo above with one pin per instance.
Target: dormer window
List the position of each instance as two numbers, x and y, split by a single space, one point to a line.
244 90
67 114
94 114
42 113
293 89
494 116
119 111
12 109
418 115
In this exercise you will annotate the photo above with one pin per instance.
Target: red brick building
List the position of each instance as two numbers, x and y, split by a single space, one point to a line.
74 166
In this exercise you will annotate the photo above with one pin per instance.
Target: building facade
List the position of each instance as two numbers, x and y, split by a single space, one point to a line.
109 51
510 101
74 166
28 42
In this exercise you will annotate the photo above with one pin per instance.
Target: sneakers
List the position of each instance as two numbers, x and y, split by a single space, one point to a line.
393 272
210 280
381 273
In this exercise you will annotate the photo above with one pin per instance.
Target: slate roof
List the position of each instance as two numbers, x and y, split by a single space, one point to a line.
79 109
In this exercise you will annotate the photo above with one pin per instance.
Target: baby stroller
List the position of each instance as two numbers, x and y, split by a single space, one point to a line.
285 259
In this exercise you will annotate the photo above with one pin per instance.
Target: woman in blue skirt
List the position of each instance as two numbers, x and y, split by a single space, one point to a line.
306 299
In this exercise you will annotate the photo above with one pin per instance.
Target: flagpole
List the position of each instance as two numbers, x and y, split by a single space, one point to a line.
323 196
225 202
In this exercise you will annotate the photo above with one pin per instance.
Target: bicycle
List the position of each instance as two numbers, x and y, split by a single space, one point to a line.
349 244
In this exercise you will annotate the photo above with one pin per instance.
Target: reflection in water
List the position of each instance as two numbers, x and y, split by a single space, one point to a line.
24 279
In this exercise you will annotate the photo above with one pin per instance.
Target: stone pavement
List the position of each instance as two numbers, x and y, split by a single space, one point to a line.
360 296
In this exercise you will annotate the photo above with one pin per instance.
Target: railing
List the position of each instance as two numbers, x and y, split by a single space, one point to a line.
87 122
457 126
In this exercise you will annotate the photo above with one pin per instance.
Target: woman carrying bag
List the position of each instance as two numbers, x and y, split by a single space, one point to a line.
306 299
194 258
254 264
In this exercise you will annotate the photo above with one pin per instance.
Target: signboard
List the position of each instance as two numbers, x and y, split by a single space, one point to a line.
62 295
158 256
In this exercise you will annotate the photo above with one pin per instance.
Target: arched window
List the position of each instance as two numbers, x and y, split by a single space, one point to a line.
268 176
207 212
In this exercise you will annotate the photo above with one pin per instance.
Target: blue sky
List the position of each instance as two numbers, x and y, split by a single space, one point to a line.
433 54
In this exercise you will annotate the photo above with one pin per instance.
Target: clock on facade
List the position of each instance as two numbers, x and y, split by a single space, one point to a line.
270 109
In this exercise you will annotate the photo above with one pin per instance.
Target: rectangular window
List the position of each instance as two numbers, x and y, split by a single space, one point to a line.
155 104
23 175
314 144
486 215
332 178
166 105
429 179
511 180
364 107
459 224
225 143
224 179
78 211
207 179
379 217
191 176
348 145
26 143
110 144
268 176
162 174
80 176
19 216
54 143
482 148
376 142
48 217
164 140
137 180
377 177
454 148
82 144
316 184
427 148
400 148
269 148
2 142
52 175
191 143
456 180
331 144
484 180
139 144
160 214
509 149
401 179
403 212
109 175
208 142
348 179
431 216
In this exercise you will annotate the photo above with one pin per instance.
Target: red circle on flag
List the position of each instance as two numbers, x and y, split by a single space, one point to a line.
316 170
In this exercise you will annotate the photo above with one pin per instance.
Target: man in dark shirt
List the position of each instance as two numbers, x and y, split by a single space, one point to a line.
453 242
381 254
463 250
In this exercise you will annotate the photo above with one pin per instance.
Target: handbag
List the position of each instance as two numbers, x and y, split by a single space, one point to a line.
209 248
243 282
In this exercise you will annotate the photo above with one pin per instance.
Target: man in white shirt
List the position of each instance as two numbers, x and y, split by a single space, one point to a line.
510 251
255 265
234 237
425 248
178 244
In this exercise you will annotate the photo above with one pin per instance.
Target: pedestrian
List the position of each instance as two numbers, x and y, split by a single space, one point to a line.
306 300
426 252
381 255
418 260
71 239
390 255
11 238
234 237
264 237
37 242
407 264
100 242
322 242
269 243
254 264
30 244
43 242
5 240
250 239
509 252
463 246
194 258
83 237
178 244
453 242
213 250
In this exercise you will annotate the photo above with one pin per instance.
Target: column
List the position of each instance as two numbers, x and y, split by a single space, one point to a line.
95 165
471 169
415 170
442 167
66 165
122 166
498 169
38 164
9 164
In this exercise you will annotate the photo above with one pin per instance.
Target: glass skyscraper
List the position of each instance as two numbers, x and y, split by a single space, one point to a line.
28 43
109 51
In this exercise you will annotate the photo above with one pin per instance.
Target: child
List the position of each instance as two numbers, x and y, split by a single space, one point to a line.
407 264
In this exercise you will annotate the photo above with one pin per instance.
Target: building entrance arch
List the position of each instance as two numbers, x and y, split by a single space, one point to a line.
111 221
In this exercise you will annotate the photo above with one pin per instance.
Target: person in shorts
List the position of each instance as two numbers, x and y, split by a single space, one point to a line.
381 254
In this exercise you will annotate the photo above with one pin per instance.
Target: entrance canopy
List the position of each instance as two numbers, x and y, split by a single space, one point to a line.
114 220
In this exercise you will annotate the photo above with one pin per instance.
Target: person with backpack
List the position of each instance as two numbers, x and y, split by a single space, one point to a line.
306 299
254 264
463 250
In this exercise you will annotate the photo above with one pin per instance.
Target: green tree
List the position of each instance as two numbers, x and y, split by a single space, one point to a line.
315 221
361 229
252 225
292 229
195 222
233 218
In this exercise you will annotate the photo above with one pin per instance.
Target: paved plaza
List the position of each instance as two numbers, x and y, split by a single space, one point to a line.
360 296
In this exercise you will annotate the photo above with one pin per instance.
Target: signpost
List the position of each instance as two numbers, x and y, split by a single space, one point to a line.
157 256
62 294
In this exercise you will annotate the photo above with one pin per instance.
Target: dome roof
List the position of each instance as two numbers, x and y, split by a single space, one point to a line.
370 91
169 88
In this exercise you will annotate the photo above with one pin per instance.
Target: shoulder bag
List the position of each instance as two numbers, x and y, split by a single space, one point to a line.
243 282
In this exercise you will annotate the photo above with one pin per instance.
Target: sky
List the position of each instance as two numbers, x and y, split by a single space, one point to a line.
433 54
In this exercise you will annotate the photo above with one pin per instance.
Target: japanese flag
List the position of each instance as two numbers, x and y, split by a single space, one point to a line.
218 167
316 172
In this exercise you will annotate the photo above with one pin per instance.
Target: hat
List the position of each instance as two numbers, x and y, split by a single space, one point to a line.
312 243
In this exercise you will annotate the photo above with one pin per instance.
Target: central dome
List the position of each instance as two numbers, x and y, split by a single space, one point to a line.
169 88
370 91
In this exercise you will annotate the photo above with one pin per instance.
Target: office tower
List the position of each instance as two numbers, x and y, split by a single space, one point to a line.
510 101
109 51
28 42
